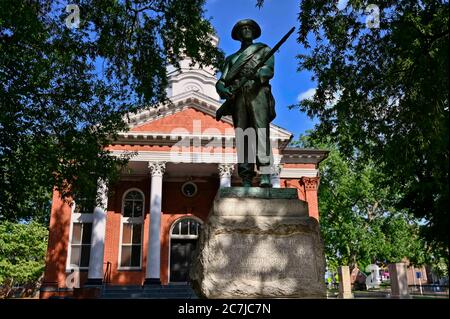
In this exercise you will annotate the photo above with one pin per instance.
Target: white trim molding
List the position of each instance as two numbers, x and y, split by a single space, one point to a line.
303 155
298 172
184 157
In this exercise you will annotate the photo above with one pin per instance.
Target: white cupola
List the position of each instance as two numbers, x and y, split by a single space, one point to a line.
192 79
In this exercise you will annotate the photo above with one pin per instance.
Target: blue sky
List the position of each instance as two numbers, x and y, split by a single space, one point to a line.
275 19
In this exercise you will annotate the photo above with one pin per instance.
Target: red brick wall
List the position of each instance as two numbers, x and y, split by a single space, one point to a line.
175 205
55 261
307 191
293 183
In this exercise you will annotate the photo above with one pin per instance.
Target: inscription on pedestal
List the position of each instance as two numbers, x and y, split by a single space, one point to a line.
258 192
265 258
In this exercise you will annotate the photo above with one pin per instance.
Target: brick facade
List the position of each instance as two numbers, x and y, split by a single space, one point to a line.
174 206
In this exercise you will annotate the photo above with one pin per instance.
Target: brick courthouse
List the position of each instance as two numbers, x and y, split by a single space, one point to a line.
148 226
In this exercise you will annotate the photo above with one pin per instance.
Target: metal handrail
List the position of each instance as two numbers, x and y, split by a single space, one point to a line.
107 275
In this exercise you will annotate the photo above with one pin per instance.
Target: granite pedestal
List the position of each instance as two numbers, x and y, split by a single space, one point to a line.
259 243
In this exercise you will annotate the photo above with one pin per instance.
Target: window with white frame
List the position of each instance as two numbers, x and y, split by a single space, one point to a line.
80 246
131 230
80 235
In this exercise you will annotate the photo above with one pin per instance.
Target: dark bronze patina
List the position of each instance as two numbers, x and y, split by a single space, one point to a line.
244 84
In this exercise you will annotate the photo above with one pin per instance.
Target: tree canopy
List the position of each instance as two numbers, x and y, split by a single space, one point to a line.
358 220
389 85
382 93
22 253
65 87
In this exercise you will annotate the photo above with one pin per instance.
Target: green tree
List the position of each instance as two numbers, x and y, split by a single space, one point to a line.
382 93
358 222
64 92
22 254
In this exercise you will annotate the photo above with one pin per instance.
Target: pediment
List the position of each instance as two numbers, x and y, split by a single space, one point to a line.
188 119
191 113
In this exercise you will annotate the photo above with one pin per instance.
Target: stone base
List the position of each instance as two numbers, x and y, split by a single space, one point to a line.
263 245
399 281
89 292
345 295
152 281
93 282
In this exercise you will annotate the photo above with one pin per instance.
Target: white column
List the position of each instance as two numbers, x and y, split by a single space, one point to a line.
153 271
225 171
95 273
275 177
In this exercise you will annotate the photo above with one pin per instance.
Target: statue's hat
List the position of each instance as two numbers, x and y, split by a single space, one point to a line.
255 27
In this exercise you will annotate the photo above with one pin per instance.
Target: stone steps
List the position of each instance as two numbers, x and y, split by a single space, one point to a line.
149 292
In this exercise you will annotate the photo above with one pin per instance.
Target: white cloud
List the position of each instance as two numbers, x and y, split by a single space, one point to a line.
307 95
336 97
342 4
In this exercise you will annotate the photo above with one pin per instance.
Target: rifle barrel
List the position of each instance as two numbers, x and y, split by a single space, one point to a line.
275 48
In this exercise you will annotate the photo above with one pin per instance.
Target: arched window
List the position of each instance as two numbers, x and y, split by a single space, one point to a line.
187 228
130 254
133 205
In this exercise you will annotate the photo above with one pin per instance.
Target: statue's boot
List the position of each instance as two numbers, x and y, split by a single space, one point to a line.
265 181
246 173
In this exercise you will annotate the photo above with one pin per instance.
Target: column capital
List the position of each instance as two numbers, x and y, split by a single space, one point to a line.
310 183
225 170
157 168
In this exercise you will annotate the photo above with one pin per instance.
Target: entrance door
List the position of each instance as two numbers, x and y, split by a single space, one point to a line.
181 253
182 248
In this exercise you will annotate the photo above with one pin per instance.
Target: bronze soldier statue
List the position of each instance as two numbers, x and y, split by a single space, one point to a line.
251 104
